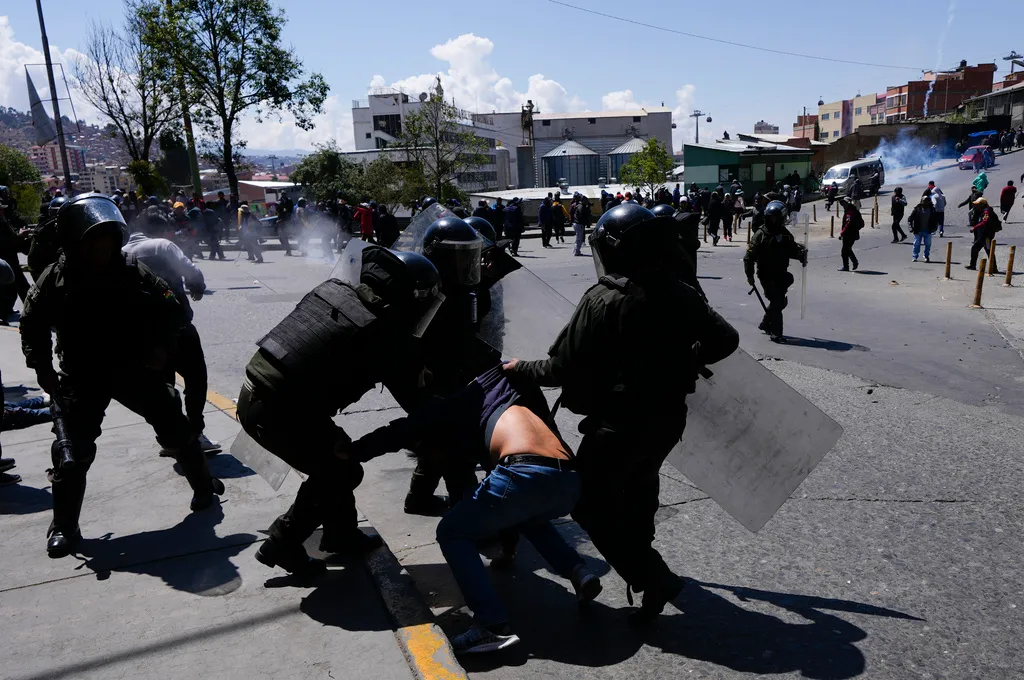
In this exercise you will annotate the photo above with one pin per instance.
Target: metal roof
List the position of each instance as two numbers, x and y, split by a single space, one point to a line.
634 145
579 115
996 93
749 147
569 148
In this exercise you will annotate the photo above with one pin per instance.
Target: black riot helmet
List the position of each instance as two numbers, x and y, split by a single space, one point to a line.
455 249
85 213
427 201
630 238
775 215
484 228
55 205
663 210
407 281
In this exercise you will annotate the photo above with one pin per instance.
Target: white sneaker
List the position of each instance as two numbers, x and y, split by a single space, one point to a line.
208 446
478 639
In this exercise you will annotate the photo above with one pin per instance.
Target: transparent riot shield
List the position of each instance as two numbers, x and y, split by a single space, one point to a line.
272 469
350 262
750 439
526 316
411 237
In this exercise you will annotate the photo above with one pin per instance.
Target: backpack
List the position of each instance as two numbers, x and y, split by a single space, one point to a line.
997 224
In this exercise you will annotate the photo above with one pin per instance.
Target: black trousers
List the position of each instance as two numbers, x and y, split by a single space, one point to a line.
775 288
981 241
847 253
190 363
283 227
559 230
620 484
213 240
545 235
897 231
85 400
305 439
516 238
18 289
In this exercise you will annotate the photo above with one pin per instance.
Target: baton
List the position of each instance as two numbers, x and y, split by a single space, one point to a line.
62 446
754 289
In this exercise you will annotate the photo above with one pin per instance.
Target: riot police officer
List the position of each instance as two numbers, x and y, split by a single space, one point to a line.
454 354
338 342
44 250
771 249
139 312
626 361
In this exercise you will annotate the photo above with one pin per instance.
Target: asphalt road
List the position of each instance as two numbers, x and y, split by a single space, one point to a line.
897 558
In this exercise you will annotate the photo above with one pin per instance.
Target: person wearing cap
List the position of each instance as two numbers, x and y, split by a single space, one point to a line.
939 201
123 358
247 234
986 224
853 222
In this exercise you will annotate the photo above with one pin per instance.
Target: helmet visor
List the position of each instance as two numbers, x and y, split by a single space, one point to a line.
458 261
428 301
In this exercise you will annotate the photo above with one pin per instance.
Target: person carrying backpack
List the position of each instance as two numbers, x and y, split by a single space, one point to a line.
985 228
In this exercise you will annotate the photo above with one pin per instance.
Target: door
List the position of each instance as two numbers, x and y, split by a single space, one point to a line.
769 176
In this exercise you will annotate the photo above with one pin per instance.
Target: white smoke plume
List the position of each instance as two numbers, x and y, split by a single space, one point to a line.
951 14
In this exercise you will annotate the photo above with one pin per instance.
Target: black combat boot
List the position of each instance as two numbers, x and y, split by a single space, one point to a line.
290 557
197 472
668 588
63 536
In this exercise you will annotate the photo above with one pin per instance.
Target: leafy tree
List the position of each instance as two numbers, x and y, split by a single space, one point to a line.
173 163
647 168
125 78
147 179
229 54
384 182
23 180
433 138
326 172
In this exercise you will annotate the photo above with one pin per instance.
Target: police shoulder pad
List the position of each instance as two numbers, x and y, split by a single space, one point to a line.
616 281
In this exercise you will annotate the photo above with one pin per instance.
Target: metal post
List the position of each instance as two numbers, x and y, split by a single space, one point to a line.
949 258
53 98
992 257
832 229
1009 267
814 208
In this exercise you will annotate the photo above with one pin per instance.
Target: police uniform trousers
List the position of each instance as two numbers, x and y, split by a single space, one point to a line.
190 363
85 400
775 287
305 437
619 472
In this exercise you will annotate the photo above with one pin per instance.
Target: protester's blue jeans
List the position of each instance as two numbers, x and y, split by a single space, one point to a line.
926 237
579 229
25 413
525 497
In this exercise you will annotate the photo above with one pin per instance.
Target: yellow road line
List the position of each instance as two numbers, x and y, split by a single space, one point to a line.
429 652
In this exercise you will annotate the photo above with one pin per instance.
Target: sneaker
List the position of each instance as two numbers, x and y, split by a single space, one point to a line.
209 448
855 265
843 269
915 259
927 259
479 639
587 586
969 266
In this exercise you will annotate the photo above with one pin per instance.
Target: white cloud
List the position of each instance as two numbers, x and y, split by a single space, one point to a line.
618 101
475 85
335 122
684 131
15 55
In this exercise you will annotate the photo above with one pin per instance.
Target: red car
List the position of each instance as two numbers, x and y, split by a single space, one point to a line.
977 158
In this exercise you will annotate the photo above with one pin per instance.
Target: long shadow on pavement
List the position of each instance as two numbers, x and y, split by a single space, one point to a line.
200 562
830 345
24 500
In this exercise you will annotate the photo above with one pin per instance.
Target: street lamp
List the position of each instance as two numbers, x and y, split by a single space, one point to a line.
696 115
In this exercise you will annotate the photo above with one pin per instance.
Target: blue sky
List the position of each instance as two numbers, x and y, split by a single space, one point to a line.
496 55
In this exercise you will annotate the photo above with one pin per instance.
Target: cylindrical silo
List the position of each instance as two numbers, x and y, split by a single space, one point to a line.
573 161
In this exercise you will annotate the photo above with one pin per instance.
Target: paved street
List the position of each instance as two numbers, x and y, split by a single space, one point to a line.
897 558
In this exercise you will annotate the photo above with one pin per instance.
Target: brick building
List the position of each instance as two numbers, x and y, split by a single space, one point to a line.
804 126
949 90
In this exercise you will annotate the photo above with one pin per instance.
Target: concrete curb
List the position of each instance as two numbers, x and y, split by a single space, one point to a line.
425 646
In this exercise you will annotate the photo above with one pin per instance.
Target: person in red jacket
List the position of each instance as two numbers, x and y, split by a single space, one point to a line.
985 227
364 217
1006 199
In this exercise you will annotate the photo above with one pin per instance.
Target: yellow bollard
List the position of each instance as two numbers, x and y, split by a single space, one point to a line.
978 285
949 258
992 257
876 203
832 229
1009 267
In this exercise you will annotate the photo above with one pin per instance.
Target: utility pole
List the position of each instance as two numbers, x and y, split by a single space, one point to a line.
273 167
53 98
186 117
696 115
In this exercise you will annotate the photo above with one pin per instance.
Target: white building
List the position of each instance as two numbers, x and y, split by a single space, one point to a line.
763 128
103 178
601 131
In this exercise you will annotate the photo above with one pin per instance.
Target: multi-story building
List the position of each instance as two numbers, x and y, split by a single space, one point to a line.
103 178
862 109
599 131
940 92
835 120
763 128
47 158
804 126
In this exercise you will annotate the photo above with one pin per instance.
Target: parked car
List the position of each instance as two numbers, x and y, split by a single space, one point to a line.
977 158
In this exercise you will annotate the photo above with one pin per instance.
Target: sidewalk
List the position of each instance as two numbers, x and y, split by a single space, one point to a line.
159 592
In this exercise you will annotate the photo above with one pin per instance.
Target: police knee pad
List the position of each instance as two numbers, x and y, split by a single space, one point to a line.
788 280
84 456
783 302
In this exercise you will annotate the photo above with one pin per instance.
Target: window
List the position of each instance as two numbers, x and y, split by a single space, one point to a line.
835 133
390 124
825 116
857 111
903 100
636 119
890 102
592 121
369 135
545 123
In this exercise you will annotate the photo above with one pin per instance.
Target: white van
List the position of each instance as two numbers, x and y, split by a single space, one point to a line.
845 174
